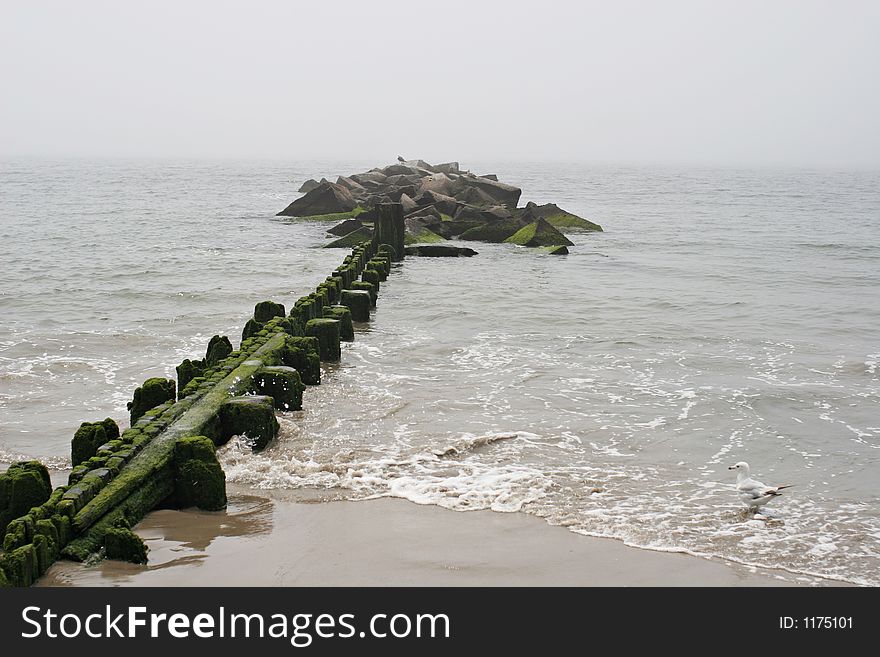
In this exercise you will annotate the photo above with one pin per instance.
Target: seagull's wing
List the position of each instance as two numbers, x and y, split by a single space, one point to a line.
755 489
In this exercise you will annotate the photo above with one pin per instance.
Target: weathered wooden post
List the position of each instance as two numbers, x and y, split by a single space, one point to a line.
390 229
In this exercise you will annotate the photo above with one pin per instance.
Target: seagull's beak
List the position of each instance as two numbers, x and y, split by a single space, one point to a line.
731 467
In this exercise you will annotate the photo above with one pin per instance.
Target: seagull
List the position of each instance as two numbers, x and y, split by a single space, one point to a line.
400 158
753 493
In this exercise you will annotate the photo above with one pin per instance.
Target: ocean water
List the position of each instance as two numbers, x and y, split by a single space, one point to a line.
724 315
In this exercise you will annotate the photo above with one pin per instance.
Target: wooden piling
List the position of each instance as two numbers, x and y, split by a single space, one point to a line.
390 229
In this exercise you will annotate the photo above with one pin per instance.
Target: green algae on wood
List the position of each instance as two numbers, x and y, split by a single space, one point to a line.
330 291
150 492
343 314
371 276
266 310
327 333
198 478
283 384
380 267
186 372
24 485
251 328
367 287
201 419
252 417
153 392
219 349
130 475
89 437
21 566
123 544
358 302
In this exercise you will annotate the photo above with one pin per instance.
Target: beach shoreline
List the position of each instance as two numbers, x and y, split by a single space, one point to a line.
286 538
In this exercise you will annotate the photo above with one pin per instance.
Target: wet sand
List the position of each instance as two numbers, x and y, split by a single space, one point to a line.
283 540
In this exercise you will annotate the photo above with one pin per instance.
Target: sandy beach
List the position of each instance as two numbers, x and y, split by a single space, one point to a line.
285 540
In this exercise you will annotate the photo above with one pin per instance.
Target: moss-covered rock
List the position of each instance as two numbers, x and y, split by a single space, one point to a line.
198 478
420 235
327 332
495 231
554 250
252 417
358 302
283 384
219 349
124 545
23 486
539 233
346 227
558 218
454 228
152 393
355 237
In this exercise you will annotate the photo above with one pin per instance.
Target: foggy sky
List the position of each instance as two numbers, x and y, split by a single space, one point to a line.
753 83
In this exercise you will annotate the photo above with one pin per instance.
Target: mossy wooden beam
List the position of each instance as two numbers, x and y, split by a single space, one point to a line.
200 420
167 456
152 491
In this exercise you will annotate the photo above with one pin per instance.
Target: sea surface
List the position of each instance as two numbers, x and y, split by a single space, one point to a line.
723 315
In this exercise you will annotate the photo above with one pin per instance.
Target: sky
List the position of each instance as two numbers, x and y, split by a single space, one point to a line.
775 83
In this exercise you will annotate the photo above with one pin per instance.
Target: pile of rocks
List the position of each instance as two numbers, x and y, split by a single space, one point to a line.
440 202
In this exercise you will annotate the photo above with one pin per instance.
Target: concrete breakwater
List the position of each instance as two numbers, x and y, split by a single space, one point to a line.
166 459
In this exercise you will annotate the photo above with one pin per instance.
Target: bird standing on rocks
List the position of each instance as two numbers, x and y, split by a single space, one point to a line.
753 493
400 158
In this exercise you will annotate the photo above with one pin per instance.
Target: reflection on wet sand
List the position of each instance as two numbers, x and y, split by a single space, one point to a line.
176 539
